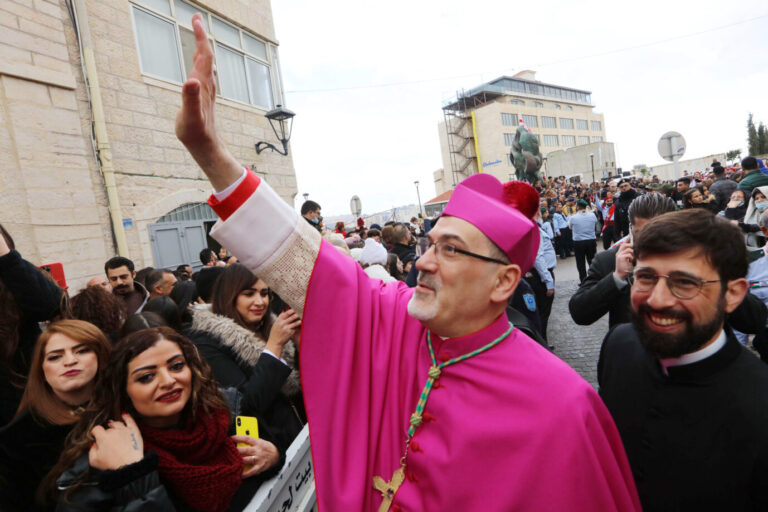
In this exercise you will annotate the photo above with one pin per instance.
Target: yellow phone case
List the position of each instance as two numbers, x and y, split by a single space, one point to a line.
246 426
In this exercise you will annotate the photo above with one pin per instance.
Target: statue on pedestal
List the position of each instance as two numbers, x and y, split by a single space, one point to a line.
525 155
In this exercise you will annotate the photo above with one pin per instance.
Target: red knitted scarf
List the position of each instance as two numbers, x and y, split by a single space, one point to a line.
199 462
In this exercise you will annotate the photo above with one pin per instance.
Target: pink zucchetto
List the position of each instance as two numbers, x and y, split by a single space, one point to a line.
503 212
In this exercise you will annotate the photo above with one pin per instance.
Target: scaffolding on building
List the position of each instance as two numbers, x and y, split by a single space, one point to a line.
460 137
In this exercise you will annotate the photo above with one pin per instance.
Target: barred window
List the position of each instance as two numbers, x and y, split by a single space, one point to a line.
566 124
548 122
596 126
568 140
581 124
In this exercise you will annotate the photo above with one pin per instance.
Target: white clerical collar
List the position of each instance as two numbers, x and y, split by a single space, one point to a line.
695 357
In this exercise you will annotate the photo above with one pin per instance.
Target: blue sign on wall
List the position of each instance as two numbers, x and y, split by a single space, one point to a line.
488 164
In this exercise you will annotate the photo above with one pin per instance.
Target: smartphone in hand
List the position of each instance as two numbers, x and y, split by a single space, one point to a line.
246 426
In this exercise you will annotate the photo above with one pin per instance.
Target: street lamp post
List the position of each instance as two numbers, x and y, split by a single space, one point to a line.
281 120
592 158
306 196
421 211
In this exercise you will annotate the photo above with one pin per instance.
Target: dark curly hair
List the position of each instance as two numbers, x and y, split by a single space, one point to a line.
99 307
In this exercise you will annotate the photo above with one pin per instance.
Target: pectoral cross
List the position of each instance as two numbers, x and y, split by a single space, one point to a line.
388 489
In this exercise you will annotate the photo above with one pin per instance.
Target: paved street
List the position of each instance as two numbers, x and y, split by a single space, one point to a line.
577 345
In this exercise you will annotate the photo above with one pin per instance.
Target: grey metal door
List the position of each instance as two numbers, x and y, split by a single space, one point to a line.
177 243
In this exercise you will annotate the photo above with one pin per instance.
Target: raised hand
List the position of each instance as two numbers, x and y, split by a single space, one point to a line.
259 456
285 327
625 257
118 445
195 121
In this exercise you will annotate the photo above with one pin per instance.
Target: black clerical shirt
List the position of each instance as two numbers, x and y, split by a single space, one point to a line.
697 437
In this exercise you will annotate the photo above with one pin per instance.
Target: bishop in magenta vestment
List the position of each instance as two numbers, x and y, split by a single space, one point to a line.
511 429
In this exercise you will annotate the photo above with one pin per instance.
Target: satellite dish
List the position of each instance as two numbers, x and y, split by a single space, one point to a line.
355 206
671 146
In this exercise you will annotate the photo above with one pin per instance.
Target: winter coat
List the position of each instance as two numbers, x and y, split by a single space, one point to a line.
269 387
29 447
38 299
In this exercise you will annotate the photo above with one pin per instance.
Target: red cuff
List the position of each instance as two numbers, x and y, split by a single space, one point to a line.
238 196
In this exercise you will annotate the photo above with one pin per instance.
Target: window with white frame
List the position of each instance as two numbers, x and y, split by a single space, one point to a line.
550 140
568 107
548 122
598 138
508 139
566 124
583 139
517 102
596 126
581 124
538 104
531 121
556 106
246 67
508 119
568 140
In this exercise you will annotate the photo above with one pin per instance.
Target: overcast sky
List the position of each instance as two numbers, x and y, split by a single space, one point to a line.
367 80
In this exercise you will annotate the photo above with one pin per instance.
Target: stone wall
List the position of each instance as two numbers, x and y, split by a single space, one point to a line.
50 190
53 197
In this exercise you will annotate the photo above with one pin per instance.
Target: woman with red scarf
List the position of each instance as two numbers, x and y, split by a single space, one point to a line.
177 453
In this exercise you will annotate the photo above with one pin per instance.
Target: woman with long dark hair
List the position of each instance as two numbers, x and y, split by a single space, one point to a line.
27 297
67 362
250 348
155 436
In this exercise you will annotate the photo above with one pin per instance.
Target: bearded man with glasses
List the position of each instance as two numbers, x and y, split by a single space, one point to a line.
690 402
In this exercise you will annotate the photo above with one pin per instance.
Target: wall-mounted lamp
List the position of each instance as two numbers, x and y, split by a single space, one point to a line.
278 118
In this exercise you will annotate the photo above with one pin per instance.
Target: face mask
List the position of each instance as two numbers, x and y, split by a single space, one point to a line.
315 221
761 205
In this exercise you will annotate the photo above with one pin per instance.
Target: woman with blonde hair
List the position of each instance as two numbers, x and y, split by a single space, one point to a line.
68 359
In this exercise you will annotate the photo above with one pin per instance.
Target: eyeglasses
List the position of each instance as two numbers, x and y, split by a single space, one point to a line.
446 251
682 286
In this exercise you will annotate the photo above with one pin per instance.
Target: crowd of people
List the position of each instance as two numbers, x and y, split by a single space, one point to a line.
169 359
423 352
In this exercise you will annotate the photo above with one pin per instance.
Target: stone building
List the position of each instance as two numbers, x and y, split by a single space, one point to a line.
590 162
689 167
89 91
479 125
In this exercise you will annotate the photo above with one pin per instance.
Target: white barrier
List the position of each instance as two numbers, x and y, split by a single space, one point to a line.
293 489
